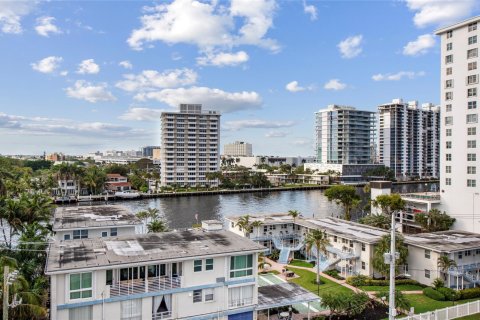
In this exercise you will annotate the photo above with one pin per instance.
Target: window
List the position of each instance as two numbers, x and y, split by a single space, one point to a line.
427 273
104 234
448 132
471 170
448 107
448 169
472 53
472 118
468 253
113 232
472 66
472 92
448 144
241 266
449 46
209 264
449 34
449 71
209 294
471 157
472 104
471 143
427 254
460 255
109 277
471 183
472 79
80 234
363 246
448 95
472 40
80 313
472 26
448 181
363 265
240 296
471 131
448 121
197 265
66 237
335 238
449 83
448 156
449 58
80 285
197 296
131 309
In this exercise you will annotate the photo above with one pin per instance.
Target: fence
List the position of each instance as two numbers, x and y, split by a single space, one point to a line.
458 311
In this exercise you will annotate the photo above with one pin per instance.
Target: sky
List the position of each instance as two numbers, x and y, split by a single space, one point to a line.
82 76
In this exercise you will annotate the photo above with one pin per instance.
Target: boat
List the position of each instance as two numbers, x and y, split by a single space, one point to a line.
127 194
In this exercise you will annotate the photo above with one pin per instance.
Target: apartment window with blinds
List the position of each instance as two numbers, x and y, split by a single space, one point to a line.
80 234
472 53
448 169
427 254
80 285
472 92
197 296
448 108
209 294
472 104
208 264
472 40
472 79
240 296
449 34
197 265
448 181
449 84
471 131
449 71
131 309
448 96
449 46
448 132
471 183
448 121
448 144
471 143
472 26
427 273
449 58
471 170
472 66
472 118
448 156
471 157
241 266
80 313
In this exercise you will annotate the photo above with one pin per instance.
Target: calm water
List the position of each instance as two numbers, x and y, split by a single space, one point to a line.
180 212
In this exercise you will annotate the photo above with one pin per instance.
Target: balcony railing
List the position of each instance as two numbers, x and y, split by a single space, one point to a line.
129 287
432 196
240 302
162 315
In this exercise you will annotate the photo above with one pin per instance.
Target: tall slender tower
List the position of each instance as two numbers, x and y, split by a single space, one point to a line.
459 158
190 141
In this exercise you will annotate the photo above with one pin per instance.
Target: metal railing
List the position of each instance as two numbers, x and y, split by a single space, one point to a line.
129 287
422 196
162 315
240 302
448 313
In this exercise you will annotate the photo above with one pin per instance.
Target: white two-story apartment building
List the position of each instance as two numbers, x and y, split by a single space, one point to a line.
194 274
82 222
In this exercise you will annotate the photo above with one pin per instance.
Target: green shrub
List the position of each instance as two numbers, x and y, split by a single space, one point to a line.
334 274
470 293
360 280
450 294
357 281
438 283
433 294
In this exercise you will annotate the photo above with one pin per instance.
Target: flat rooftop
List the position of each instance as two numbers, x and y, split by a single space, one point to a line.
445 241
82 217
284 294
100 253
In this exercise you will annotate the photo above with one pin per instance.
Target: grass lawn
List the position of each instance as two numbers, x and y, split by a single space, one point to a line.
301 263
401 287
270 271
470 317
422 303
307 280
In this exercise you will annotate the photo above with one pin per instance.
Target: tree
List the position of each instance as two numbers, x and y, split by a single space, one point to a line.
345 196
294 214
389 203
444 263
157 225
435 220
382 247
148 215
244 224
345 303
94 179
256 224
376 220
317 239
401 302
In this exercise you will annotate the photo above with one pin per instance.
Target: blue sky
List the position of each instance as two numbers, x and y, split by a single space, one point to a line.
81 76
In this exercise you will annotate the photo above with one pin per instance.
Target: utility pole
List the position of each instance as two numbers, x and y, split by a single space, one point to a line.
5 292
392 312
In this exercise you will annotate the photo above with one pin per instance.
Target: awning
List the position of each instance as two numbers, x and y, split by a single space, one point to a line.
283 294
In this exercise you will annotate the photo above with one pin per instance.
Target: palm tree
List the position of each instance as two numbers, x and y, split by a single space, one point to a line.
294 214
256 224
382 247
148 215
157 225
319 240
244 224
444 263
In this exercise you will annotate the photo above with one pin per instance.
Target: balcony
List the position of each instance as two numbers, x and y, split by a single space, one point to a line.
240 302
162 315
156 284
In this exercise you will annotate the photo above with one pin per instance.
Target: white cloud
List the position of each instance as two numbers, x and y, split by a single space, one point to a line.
151 80
276 134
142 114
47 65
64 73
84 90
11 14
310 10
222 59
334 84
212 99
419 46
235 125
351 47
45 26
125 64
294 87
439 12
88 67
53 126
397 76
207 25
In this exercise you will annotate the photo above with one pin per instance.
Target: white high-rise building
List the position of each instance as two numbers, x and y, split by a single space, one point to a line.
238 149
459 159
408 138
190 141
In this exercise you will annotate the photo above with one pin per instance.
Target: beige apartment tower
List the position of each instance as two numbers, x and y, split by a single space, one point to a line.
238 149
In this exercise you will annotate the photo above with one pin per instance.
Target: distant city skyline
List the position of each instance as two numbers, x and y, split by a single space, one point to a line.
79 77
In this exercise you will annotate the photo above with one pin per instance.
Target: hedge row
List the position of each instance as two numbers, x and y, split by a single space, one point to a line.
434 294
447 294
358 281
470 293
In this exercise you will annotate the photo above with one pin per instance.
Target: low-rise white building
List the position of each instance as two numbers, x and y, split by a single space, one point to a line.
82 222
